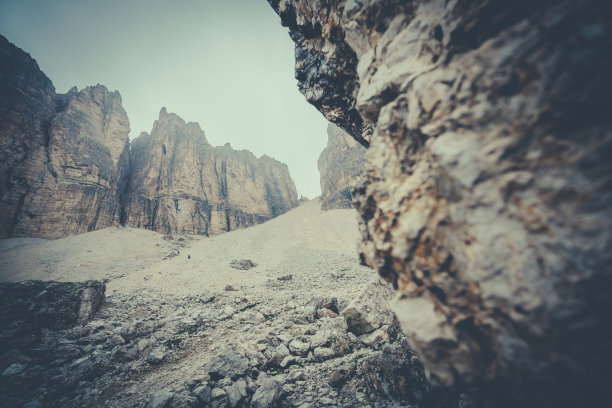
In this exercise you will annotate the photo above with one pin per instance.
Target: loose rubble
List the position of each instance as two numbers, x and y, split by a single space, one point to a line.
281 348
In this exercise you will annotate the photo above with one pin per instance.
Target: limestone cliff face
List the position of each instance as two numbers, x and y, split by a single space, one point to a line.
64 158
66 166
182 184
488 199
341 166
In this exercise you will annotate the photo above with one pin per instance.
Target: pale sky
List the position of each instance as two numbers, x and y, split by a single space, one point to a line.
227 64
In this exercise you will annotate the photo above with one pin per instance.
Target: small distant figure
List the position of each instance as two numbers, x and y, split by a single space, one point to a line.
188 256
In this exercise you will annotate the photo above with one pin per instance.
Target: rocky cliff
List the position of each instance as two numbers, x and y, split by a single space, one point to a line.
182 184
65 166
64 158
487 200
341 166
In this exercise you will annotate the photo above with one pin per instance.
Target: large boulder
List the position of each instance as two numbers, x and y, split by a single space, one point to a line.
487 199
371 309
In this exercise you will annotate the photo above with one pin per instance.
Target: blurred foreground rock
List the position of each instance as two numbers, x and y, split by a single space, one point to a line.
487 199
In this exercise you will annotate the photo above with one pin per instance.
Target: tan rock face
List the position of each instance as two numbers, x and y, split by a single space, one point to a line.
182 184
341 165
65 166
65 158
487 200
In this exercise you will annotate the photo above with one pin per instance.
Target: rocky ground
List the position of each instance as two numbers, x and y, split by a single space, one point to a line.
306 327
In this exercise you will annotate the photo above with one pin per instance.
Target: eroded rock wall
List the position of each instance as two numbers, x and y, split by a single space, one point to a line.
64 157
488 198
182 184
341 166
66 166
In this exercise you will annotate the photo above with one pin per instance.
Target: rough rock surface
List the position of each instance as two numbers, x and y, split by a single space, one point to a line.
66 166
172 337
341 165
182 184
487 200
64 158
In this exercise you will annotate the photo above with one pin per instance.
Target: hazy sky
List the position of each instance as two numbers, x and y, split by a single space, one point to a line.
227 64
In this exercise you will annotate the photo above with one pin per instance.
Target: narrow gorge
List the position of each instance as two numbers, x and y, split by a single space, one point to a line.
341 166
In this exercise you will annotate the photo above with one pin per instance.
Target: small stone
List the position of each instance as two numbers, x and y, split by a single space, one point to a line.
323 353
326 401
325 312
375 338
116 340
217 393
285 338
242 264
236 392
285 278
13 369
156 356
287 360
299 348
160 399
267 394
143 345
296 375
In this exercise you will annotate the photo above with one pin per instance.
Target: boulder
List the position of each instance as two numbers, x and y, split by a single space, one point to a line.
268 393
371 309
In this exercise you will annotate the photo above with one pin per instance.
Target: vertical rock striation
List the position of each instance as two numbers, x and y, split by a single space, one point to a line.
182 184
488 198
64 158
341 165
66 166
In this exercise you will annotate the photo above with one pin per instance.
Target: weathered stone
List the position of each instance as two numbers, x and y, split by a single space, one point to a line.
299 348
323 353
160 399
370 310
375 338
182 184
267 394
341 165
227 363
325 312
28 307
242 264
203 393
156 356
13 369
66 166
126 353
236 392
332 334
487 199
183 400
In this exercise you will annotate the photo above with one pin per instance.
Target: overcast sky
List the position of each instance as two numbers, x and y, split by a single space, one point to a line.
227 64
